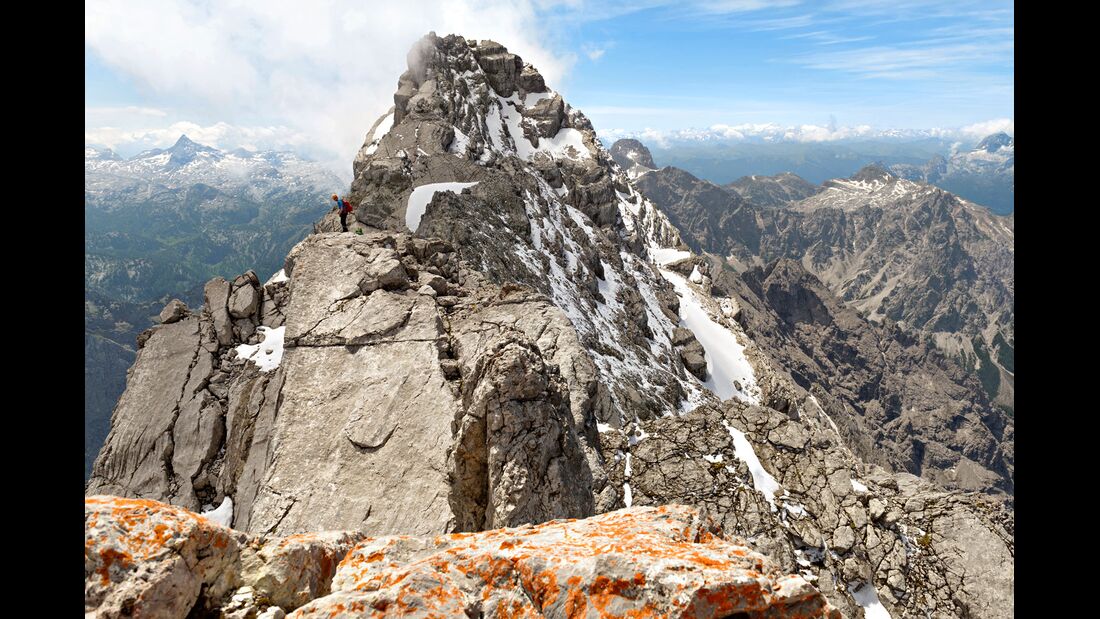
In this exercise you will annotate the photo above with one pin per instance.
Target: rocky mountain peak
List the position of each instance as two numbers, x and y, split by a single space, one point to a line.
774 191
186 150
993 143
632 156
186 143
480 151
92 153
873 172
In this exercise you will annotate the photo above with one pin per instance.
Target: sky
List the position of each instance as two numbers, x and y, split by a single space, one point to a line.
313 76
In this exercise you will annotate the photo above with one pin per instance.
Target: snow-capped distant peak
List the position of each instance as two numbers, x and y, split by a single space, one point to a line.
100 154
187 162
995 142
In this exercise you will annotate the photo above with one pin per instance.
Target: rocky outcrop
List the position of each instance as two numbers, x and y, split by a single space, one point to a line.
785 481
548 208
412 396
143 558
174 311
188 415
146 558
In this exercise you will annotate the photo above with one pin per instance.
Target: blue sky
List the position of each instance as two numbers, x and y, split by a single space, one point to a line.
890 65
273 74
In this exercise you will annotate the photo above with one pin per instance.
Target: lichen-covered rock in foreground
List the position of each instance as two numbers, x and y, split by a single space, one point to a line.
145 558
668 561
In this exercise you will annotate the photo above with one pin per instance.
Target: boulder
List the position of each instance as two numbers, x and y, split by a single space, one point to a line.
174 311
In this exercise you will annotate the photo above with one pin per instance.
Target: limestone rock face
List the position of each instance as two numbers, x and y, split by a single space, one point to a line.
392 408
515 439
144 558
183 430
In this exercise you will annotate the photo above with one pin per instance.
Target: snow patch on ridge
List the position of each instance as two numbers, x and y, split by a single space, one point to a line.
279 276
866 596
381 130
268 354
223 515
726 360
821 412
762 480
668 255
567 143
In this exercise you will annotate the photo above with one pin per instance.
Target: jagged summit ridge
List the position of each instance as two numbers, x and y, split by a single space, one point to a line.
542 204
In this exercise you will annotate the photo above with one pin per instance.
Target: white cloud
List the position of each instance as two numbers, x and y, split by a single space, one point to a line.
917 60
594 54
322 72
772 132
983 129
740 6
99 114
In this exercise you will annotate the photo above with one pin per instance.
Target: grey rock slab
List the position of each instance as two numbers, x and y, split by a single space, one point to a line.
318 478
216 300
244 301
132 461
331 268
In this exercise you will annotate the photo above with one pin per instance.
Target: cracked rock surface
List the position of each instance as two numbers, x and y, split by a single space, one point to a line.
394 408
835 520
144 558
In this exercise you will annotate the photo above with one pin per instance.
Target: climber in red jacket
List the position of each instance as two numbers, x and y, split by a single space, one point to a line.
345 208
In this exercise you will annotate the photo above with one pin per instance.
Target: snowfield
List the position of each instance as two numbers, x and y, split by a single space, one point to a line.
726 360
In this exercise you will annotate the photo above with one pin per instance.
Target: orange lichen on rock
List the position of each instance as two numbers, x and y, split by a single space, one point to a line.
129 531
640 562
146 557
666 561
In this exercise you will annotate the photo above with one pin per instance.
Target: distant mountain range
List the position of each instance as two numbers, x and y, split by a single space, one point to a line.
985 174
896 250
982 173
162 223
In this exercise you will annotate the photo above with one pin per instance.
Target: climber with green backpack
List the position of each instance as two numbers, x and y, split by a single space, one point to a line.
345 208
